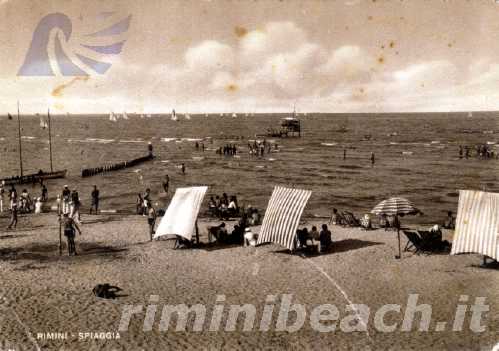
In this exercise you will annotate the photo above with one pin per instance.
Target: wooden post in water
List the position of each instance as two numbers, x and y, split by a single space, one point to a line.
19 136
50 140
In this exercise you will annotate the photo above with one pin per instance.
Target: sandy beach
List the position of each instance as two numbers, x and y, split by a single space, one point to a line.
44 292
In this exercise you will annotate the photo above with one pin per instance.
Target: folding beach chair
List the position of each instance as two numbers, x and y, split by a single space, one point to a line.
414 242
351 221
433 242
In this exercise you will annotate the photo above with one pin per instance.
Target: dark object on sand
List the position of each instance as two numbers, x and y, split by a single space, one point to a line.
106 291
34 178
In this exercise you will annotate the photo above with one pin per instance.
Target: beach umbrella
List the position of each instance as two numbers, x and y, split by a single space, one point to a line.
395 206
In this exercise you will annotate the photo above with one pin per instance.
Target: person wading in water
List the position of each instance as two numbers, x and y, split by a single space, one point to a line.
70 228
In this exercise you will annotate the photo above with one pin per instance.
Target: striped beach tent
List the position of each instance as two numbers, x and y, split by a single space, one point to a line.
181 215
477 224
283 216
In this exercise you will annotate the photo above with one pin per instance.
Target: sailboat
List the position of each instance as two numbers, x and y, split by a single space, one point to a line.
470 114
187 116
124 115
234 115
43 123
30 178
174 116
141 115
112 117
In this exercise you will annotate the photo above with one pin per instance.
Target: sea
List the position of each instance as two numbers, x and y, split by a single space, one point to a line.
416 157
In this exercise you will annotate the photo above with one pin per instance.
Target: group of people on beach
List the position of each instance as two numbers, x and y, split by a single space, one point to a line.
259 148
22 203
198 146
223 207
227 150
324 238
481 151
68 208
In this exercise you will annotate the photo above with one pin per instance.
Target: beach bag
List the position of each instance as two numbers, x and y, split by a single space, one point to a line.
106 291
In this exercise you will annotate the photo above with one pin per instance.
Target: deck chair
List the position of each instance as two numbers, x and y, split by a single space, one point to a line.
432 242
338 219
351 221
414 242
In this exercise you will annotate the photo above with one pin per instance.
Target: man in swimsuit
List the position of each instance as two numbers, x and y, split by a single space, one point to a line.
70 228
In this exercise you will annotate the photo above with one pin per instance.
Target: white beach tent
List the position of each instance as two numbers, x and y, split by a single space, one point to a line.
477 224
180 217
283 216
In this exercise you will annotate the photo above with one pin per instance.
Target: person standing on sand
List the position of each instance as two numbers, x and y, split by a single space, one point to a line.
373 159
95 200
344 154
66 193
183 168
13 197
166 183
70 228
2 192
147 200
75 205
150 149
151 218
325 241
45 196
13 215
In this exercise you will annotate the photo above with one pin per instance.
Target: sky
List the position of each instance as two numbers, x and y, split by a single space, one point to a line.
252 56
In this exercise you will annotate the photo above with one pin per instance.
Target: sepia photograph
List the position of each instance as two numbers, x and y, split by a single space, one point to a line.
249 175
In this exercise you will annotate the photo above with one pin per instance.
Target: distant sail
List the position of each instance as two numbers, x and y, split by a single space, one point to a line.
112 117
470 114
174 115
234 115
43 123
187 116
141 116
124 115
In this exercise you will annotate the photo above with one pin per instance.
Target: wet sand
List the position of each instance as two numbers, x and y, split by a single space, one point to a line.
44 292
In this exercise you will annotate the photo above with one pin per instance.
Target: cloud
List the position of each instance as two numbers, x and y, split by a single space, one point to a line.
275 38
209 55
268 69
